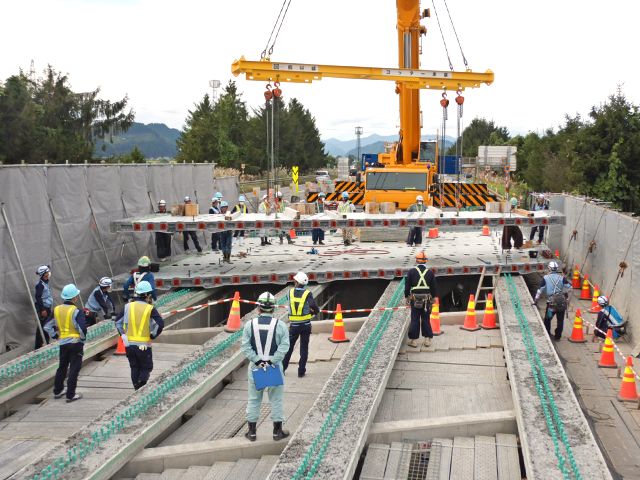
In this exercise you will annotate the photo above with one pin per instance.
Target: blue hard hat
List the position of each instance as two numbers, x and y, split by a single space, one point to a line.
322 194
143 287
218 194
70 291
224 204
345 195
241 199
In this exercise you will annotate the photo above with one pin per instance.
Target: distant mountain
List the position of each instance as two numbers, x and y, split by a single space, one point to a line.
371 144
154 140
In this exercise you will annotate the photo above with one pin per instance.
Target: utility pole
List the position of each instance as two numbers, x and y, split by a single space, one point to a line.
359 131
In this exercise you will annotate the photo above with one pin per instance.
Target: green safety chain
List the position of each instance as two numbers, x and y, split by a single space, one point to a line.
554 422
169 297
313 458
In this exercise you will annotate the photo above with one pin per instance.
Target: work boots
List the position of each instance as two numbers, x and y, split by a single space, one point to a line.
278 432
289 239
139 384
251 434
282 239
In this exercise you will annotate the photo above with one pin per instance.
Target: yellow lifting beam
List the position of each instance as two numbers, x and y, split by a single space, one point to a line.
308 73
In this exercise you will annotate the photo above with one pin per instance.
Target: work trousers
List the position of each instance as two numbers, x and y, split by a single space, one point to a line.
185 240
317 235
43 321
420 320
225 241
302 330
163 244
238 233
540 233
215 241
415 236
141 363
548 316
70 358
255 400
511 232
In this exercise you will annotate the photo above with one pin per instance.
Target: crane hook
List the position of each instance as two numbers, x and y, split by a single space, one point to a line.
268 95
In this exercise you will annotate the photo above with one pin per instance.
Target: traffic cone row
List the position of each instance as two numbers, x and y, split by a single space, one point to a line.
595 306
585 294
234 324
338 335
607 359
435 318
576 278
470 323
577 335
489 322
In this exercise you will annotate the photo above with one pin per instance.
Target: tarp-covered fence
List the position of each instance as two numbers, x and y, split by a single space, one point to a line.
50 208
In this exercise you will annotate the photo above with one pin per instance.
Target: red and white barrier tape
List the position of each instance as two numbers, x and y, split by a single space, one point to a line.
198 306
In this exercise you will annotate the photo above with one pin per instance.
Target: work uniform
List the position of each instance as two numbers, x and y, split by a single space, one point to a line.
44 302
420 281
302 307
163 242
265 209
241 209
538 208
69 323
271 334
215 236
317 234
226 240
141 323
135 279
452 301
279 207
99 300
346 207
415 233
185 240
552 284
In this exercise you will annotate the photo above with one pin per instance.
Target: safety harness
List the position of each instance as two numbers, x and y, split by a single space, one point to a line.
422 282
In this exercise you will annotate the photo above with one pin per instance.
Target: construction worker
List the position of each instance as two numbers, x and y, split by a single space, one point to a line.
317 234
302 307
415 233
279 207
226 237
538 207
239 234
190 233
214 209
163 239
557 288
44 302
68 323
265 208
452 302
609 318
143 274
138 325
345 206
420 290
100 300
265 342
219 196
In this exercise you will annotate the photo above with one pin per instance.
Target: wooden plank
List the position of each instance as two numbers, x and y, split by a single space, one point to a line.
485 462
462 459
507 457
324 348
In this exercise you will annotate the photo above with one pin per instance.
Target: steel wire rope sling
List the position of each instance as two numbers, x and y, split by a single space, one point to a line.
554 422
313 458
574 234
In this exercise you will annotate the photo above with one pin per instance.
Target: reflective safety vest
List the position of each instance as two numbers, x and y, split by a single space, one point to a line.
344 208
138 322
422 282
319 207
266 208
296 306
419 207
64 318
281 206
242 208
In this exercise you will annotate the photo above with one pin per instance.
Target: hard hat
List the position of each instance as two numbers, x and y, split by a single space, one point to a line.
265 196
215 199
345 195
541 196
218 194
162 203
144 262
224 204
105 282
143 287
266 302
603 300
279 194
421 257
419 198
301 278
43 269
321 194
70 291
553 266
460 287
187 199
241 198
514 201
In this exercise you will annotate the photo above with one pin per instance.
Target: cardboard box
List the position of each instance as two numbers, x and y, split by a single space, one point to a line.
387 207
505 207
371 207
190 210
177 210
528 244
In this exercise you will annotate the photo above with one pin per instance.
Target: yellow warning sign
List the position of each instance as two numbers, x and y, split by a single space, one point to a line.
295 177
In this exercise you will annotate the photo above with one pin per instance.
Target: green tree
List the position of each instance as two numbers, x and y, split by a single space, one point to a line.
135 156
479 132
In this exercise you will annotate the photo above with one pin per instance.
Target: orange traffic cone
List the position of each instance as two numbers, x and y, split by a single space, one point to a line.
557 254
489 322
585 294
433 233
234 324
595 306
628 391
607 359
292 234
577 335
435 318
576 278
485 230
121 350
338 335
470 320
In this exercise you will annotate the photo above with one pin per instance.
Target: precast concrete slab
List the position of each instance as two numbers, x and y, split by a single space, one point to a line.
332 220
278 264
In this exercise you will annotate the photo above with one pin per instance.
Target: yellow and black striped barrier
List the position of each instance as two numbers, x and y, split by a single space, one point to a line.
344 186
356 198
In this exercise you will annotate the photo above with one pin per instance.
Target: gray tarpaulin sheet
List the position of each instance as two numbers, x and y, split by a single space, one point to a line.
29 193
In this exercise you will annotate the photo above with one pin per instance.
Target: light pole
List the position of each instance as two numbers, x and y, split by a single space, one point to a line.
359 131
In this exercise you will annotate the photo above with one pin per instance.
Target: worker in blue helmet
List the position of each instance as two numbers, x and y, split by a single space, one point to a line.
239 234
68 323
226 236
138 324
44 302
345 206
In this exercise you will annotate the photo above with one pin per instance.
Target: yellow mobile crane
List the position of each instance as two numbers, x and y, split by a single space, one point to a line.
408 168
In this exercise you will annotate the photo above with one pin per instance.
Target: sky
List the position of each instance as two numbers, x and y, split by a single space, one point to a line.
549 58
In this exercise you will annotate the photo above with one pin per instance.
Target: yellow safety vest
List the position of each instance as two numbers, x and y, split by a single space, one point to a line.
266 208
344 208
422 282
242 208
281 206
141 312
64 313
296 305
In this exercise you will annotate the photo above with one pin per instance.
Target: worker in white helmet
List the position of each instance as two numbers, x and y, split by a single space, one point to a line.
44 302
415 233
163 239
266 209
539 206
557 289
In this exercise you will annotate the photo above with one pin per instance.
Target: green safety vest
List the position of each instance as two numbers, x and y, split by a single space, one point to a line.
419 207
296 305
281 206
68 329
422 282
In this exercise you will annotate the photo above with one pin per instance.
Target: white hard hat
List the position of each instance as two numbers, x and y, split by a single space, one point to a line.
541 196
43 269
162 203
603 300
215 199
265 196
301 278
419 197
279 194
187 199
105 282
553 266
